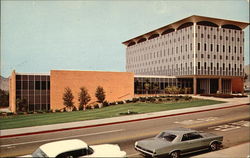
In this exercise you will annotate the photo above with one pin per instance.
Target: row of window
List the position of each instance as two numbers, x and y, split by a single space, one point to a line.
31 85
205 48
163 61
221 37
188 67
170 51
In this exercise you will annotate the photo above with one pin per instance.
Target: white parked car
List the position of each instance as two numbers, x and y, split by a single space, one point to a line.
76 148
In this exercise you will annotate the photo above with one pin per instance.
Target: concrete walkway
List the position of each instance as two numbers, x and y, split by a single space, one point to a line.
238 151
122 119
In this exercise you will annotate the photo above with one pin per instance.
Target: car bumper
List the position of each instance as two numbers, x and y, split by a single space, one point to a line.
144 152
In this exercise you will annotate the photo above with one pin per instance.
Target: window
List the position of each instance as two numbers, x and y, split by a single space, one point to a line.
202 56
25 84
191 136
240 50
202 35
18 85
214 56
199 46
208 56
167 136
214 36
211 47
205 65
43 85
217 48
205 47
199 65
37 85
229 49
223 48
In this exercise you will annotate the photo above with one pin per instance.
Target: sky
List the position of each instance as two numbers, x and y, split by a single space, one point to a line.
39 36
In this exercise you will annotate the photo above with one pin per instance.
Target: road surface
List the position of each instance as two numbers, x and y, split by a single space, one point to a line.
232 123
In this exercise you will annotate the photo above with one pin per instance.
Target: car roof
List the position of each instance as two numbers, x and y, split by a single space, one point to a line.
55 148
180 130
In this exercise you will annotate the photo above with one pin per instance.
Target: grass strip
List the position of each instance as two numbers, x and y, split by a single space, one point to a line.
19 121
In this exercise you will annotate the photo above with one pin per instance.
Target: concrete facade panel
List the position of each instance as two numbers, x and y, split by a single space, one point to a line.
117 85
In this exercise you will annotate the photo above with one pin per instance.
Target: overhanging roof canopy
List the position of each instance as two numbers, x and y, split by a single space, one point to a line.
188 20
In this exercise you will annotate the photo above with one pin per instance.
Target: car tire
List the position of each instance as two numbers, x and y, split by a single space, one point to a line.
214 146
175 154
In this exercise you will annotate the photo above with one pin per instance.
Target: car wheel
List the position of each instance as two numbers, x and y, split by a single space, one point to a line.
214 146
175 154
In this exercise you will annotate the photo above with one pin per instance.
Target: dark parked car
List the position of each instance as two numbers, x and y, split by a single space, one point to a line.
177 142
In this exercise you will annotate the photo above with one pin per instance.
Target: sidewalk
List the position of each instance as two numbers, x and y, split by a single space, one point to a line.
123 119
238 151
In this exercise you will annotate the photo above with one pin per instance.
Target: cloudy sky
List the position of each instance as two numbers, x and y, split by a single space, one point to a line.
38 36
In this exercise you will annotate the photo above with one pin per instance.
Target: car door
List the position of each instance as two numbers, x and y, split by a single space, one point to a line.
191 141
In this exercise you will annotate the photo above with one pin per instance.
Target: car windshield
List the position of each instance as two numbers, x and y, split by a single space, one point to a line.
167 136
39 153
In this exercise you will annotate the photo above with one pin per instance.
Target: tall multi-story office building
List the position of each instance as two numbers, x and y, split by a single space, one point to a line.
207 53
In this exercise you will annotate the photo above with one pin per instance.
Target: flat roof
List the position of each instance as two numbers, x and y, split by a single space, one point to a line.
42 74
193 18
152 76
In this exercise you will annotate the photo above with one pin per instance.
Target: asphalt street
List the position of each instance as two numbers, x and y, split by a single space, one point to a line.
232 123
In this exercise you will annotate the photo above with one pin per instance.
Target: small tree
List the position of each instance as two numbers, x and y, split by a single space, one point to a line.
100 94
68 98
84 98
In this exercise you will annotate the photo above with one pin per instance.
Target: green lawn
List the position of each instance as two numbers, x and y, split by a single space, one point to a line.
106 112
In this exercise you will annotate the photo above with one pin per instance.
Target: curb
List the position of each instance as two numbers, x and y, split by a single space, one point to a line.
119 122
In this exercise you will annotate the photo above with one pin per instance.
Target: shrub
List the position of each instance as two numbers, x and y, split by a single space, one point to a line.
143 99
57 110
120 102
80 107
187 97
10 113
105 103
49 111
96 106
112 103
128 101
134 100
152 99
159 99
39 111
88 107
30 112
20 113
74 109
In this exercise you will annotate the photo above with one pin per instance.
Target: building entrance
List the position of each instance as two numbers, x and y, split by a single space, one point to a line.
214 86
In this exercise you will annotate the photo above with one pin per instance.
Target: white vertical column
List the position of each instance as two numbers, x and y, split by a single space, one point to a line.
194 47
